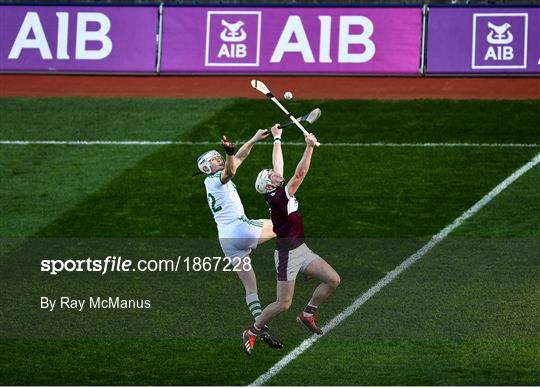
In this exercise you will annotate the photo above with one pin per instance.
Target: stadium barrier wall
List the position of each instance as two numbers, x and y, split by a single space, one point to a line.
483 40
269 40
78 39
275 40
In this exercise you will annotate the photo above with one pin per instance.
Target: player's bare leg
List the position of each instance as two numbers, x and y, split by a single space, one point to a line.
267 232
321 270
285 292
248 279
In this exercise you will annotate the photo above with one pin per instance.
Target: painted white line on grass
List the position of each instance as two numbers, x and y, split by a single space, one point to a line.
102 142
390 276
494 145
179 142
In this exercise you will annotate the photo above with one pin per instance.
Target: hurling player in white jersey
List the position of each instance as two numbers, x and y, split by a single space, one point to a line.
238 235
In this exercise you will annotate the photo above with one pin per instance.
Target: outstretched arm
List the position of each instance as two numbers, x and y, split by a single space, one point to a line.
277 154
232 161
303 166
244 151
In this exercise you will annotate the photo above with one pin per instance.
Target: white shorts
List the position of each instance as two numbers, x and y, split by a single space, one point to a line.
238 238
289 263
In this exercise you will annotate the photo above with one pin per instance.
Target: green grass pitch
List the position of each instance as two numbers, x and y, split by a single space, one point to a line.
466 314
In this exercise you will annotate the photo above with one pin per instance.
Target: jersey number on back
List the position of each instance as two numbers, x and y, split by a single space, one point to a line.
212 203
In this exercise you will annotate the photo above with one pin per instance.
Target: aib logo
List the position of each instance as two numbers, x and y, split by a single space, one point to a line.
233 32
499 41
233 38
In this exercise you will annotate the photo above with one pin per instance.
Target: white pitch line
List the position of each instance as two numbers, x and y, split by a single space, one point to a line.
390 276
179 142
494 145
102 142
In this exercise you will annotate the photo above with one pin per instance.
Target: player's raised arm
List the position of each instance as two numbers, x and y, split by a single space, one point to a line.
229 169
244 151
303 166
277 154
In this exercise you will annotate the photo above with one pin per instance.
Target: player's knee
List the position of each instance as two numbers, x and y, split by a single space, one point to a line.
334 281
284 305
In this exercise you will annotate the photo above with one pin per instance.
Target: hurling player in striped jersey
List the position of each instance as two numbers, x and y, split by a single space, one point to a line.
292 254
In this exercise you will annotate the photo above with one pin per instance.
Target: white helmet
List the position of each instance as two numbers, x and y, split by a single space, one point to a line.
203 161
263 184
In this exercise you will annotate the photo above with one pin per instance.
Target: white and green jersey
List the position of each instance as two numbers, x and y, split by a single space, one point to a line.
223 199
238 235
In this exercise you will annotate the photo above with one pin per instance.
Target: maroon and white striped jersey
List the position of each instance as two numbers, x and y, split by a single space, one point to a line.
288 224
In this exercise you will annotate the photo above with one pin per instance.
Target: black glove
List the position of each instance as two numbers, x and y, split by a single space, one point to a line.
228 146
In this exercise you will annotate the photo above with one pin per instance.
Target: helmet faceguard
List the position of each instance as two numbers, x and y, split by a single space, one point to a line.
203 161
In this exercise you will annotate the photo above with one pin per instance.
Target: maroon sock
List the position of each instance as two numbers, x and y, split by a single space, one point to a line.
254 331
309 310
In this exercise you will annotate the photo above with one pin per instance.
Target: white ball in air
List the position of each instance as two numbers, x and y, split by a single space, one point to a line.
288 95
